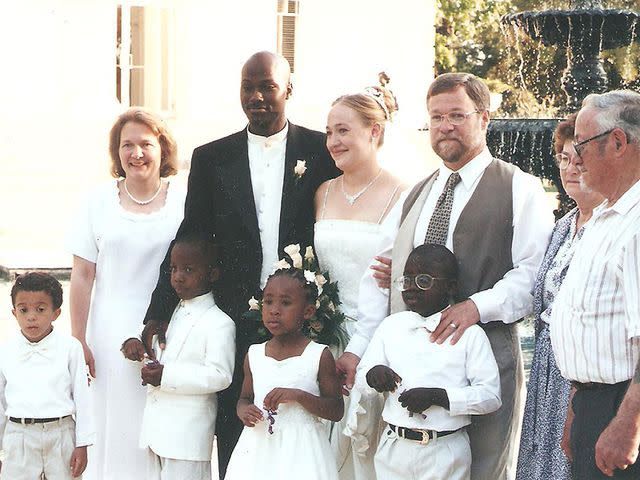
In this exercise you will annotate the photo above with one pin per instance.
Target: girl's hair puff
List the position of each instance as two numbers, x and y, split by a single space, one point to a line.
310 288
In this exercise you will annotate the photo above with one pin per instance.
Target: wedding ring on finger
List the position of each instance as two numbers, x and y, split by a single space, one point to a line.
453 325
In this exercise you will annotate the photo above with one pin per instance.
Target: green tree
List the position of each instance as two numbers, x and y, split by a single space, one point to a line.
471 37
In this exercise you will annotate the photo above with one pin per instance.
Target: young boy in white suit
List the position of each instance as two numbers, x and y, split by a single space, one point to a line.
431 389
197 362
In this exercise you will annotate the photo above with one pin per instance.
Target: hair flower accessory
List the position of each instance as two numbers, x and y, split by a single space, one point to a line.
326 325
281 264
300 169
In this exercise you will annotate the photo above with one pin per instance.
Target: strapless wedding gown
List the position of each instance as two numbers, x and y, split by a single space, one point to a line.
346 248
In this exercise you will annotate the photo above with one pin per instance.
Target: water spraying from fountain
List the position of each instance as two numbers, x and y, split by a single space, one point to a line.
584 31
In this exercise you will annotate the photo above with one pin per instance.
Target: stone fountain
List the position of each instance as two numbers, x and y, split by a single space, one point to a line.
584 30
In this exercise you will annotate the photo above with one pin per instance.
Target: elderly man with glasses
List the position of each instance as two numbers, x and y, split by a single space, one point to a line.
497 221
595 323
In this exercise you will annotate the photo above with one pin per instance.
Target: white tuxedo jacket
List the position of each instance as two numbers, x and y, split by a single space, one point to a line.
180 415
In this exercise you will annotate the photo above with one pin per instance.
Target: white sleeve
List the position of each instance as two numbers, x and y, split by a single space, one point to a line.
81 239
214 372
373 306
375 354
3 406
630 269
511 297
482 395
85 429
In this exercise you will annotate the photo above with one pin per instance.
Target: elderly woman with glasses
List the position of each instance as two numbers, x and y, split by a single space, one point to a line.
544 442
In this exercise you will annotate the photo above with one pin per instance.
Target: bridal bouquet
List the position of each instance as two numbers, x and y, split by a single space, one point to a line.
326 326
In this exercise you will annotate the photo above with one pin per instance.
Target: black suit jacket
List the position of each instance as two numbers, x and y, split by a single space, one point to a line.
220 201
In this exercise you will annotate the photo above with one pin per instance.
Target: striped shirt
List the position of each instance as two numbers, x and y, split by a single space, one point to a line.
595 324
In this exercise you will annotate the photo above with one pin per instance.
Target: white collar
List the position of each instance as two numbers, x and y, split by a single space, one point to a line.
276 138
201 302
469 173
626 202
50 337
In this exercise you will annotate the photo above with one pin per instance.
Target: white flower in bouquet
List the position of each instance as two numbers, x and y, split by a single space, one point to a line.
308 254
309 276
320 281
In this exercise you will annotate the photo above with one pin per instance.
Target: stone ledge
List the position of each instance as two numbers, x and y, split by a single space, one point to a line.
58 273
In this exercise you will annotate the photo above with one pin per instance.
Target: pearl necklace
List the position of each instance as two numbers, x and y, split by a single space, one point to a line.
351 199
141 202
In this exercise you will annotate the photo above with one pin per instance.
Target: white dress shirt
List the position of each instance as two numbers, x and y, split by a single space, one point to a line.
466 370
510 298
46 379
266 164
595 322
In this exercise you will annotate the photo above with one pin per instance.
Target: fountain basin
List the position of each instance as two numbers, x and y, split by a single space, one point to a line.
594 29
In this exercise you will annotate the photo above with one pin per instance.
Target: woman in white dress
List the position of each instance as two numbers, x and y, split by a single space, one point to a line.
355 215
118 243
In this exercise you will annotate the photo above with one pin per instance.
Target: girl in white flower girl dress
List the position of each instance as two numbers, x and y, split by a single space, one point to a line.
289 382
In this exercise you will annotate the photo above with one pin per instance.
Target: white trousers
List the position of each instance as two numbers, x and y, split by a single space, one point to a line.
161 468
445 458
32 452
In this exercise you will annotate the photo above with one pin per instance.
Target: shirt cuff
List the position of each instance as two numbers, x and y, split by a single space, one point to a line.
488 310
84 440
457 401
169 381
357 345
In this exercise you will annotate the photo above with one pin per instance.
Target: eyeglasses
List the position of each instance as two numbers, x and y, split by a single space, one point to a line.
454 118
423 281
579 147
562 160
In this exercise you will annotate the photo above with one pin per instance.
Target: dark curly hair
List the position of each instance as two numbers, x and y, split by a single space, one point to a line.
37 282
310 288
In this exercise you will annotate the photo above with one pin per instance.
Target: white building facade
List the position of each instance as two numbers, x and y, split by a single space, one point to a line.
71 66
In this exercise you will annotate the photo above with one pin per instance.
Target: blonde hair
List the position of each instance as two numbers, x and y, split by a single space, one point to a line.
369 107
168 147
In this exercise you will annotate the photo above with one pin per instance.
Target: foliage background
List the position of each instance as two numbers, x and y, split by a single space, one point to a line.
471 38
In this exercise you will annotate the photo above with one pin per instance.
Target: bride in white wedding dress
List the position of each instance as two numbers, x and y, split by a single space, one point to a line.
355 216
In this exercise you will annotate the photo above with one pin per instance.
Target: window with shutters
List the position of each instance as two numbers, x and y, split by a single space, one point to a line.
287 18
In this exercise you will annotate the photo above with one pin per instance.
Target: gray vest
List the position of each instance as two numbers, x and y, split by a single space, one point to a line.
481 239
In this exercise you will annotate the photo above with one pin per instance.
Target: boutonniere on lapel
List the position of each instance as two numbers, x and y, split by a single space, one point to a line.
300 169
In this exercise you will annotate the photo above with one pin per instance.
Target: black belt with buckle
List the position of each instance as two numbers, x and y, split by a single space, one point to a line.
31 421
422 436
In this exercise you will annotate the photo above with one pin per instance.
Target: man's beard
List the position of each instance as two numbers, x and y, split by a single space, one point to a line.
450 153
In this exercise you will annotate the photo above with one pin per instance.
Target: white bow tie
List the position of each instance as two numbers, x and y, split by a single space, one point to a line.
30 349
430 323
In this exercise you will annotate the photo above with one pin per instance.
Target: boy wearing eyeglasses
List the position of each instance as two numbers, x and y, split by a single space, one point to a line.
431 389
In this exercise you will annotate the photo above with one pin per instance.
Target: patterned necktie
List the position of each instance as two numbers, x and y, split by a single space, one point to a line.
439 223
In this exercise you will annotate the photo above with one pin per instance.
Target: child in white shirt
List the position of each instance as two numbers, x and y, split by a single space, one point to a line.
431 389
196 363
43 387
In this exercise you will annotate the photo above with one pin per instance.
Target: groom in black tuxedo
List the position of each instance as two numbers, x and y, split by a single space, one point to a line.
246 191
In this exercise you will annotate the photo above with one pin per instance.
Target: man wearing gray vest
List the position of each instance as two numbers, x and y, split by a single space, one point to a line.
497 221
